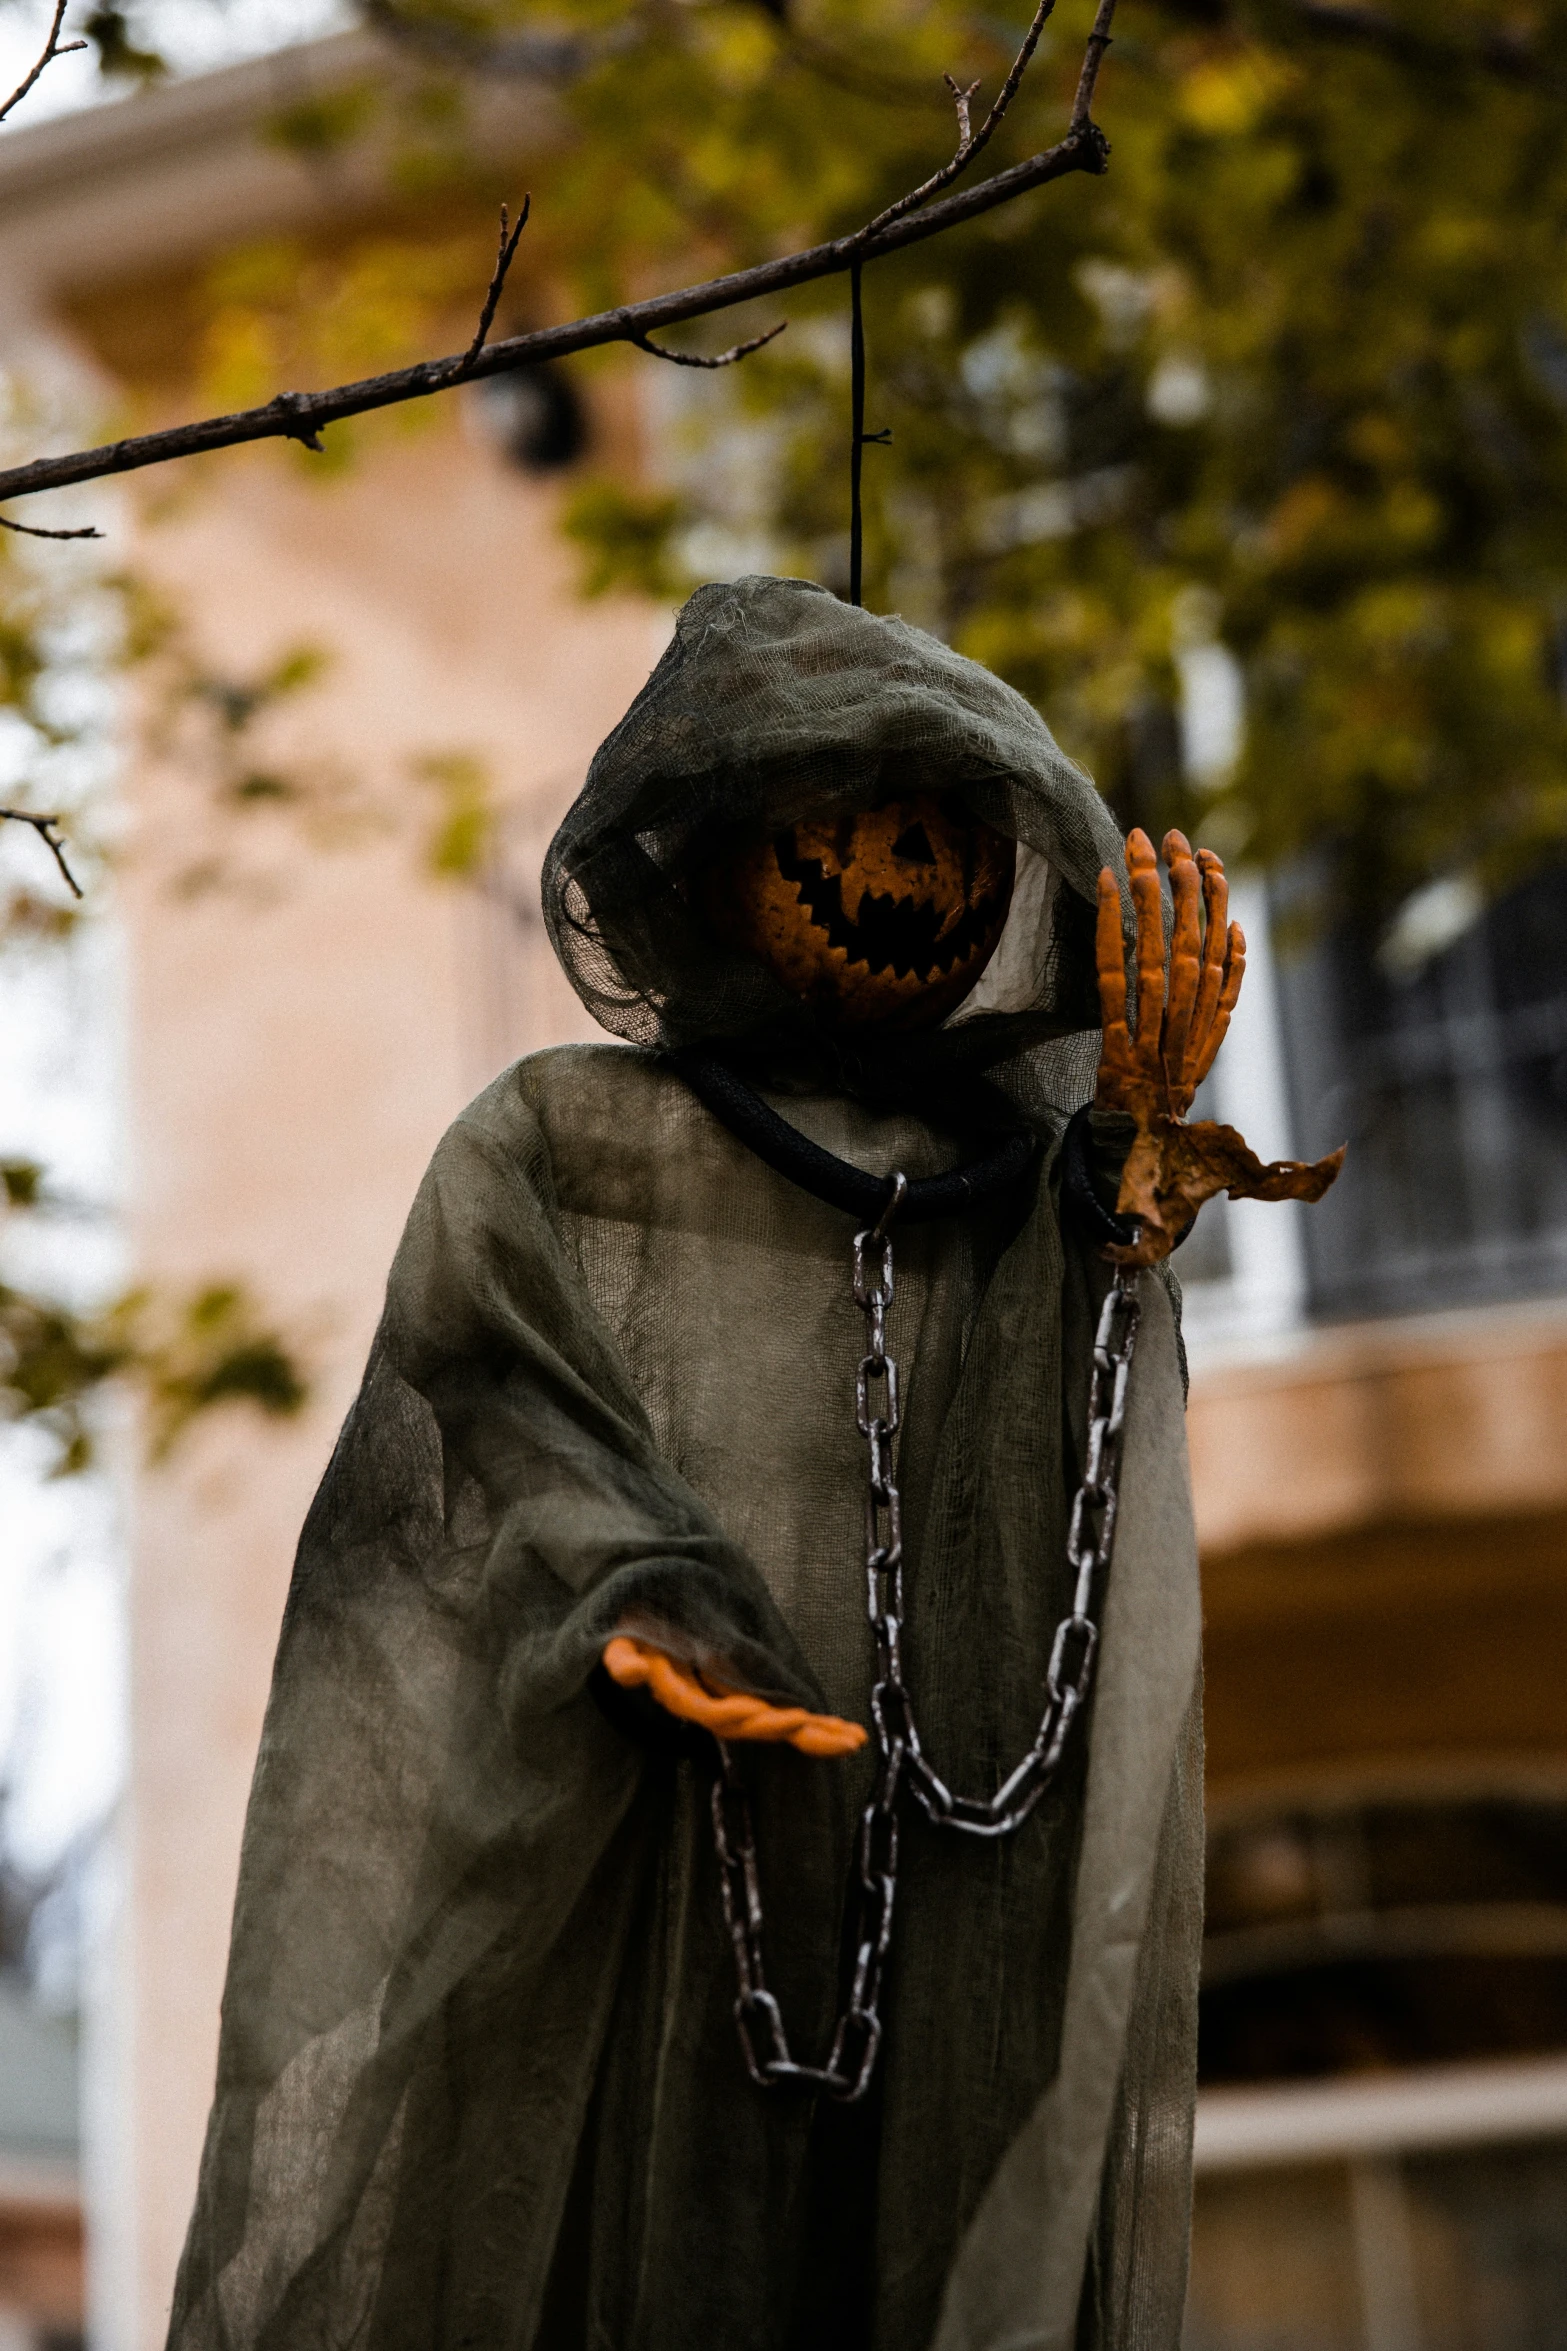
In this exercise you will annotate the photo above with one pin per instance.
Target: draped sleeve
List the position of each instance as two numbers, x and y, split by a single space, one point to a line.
442 1818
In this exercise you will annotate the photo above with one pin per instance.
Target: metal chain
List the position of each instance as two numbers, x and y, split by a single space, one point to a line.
857 2034
1090 1543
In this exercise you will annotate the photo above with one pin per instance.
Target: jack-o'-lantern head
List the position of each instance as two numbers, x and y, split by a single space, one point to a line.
884 915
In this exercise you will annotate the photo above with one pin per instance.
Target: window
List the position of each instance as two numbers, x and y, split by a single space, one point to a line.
1448 1078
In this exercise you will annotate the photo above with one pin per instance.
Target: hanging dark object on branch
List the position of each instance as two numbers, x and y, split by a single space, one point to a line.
924 212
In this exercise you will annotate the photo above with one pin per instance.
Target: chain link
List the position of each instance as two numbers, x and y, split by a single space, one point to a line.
1090 1542
901 1758
857 2034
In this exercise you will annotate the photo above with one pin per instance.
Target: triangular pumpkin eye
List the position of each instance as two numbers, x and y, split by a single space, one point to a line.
913 845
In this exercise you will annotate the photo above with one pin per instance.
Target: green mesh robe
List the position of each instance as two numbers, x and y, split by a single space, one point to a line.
479 2083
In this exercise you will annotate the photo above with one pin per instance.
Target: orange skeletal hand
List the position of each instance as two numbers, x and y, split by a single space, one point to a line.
1151 1075
728 1714
1157 1071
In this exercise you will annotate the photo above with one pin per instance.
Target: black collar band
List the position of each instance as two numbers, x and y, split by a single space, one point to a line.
1079 1195
827 1177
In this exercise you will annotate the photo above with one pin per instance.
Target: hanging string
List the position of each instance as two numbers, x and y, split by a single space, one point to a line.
859 438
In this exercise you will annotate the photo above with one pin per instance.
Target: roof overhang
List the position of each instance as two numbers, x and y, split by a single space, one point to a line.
154 181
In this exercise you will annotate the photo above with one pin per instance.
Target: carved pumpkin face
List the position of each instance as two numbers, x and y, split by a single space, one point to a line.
887 915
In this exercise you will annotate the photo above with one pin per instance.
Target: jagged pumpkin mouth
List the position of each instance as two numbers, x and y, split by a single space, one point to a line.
887 915
904 936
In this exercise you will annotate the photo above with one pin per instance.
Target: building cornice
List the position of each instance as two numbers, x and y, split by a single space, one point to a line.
157 179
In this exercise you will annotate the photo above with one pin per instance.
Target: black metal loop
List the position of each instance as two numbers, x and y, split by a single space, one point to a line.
1079 1195
827 1177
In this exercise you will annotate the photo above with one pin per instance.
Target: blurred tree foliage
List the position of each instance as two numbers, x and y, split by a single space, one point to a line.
180 1356
70 636
1290 378
68 632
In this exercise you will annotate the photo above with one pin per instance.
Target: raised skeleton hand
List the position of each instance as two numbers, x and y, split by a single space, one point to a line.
1152 1075
728 1714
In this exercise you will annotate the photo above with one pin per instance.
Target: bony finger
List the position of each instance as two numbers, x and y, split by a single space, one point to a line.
1109 950
636 1664
1215 888
728 1714
1234 973
1143 867
1185 966
753 1718
677 1689
627 1662
1234 968
1216 902
1115 1053
812 1734
827 1734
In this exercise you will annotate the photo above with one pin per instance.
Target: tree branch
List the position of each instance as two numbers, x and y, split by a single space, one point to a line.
300 416
48 830
29 530
503 262
969 144
1093 58
54 47
720 359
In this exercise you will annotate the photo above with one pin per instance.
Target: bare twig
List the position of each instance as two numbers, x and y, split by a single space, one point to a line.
719 359
28 530
54 47
48 830
300 416
306 433
1093 58
503 260
962 100
970 143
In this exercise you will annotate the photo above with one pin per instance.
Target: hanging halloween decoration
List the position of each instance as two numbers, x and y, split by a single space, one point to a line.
725 1860
883 915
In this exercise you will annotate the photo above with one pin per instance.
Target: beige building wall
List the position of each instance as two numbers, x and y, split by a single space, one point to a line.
1452 1416
1383 1518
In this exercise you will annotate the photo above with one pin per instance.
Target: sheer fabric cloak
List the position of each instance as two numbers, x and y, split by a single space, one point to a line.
479 2083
